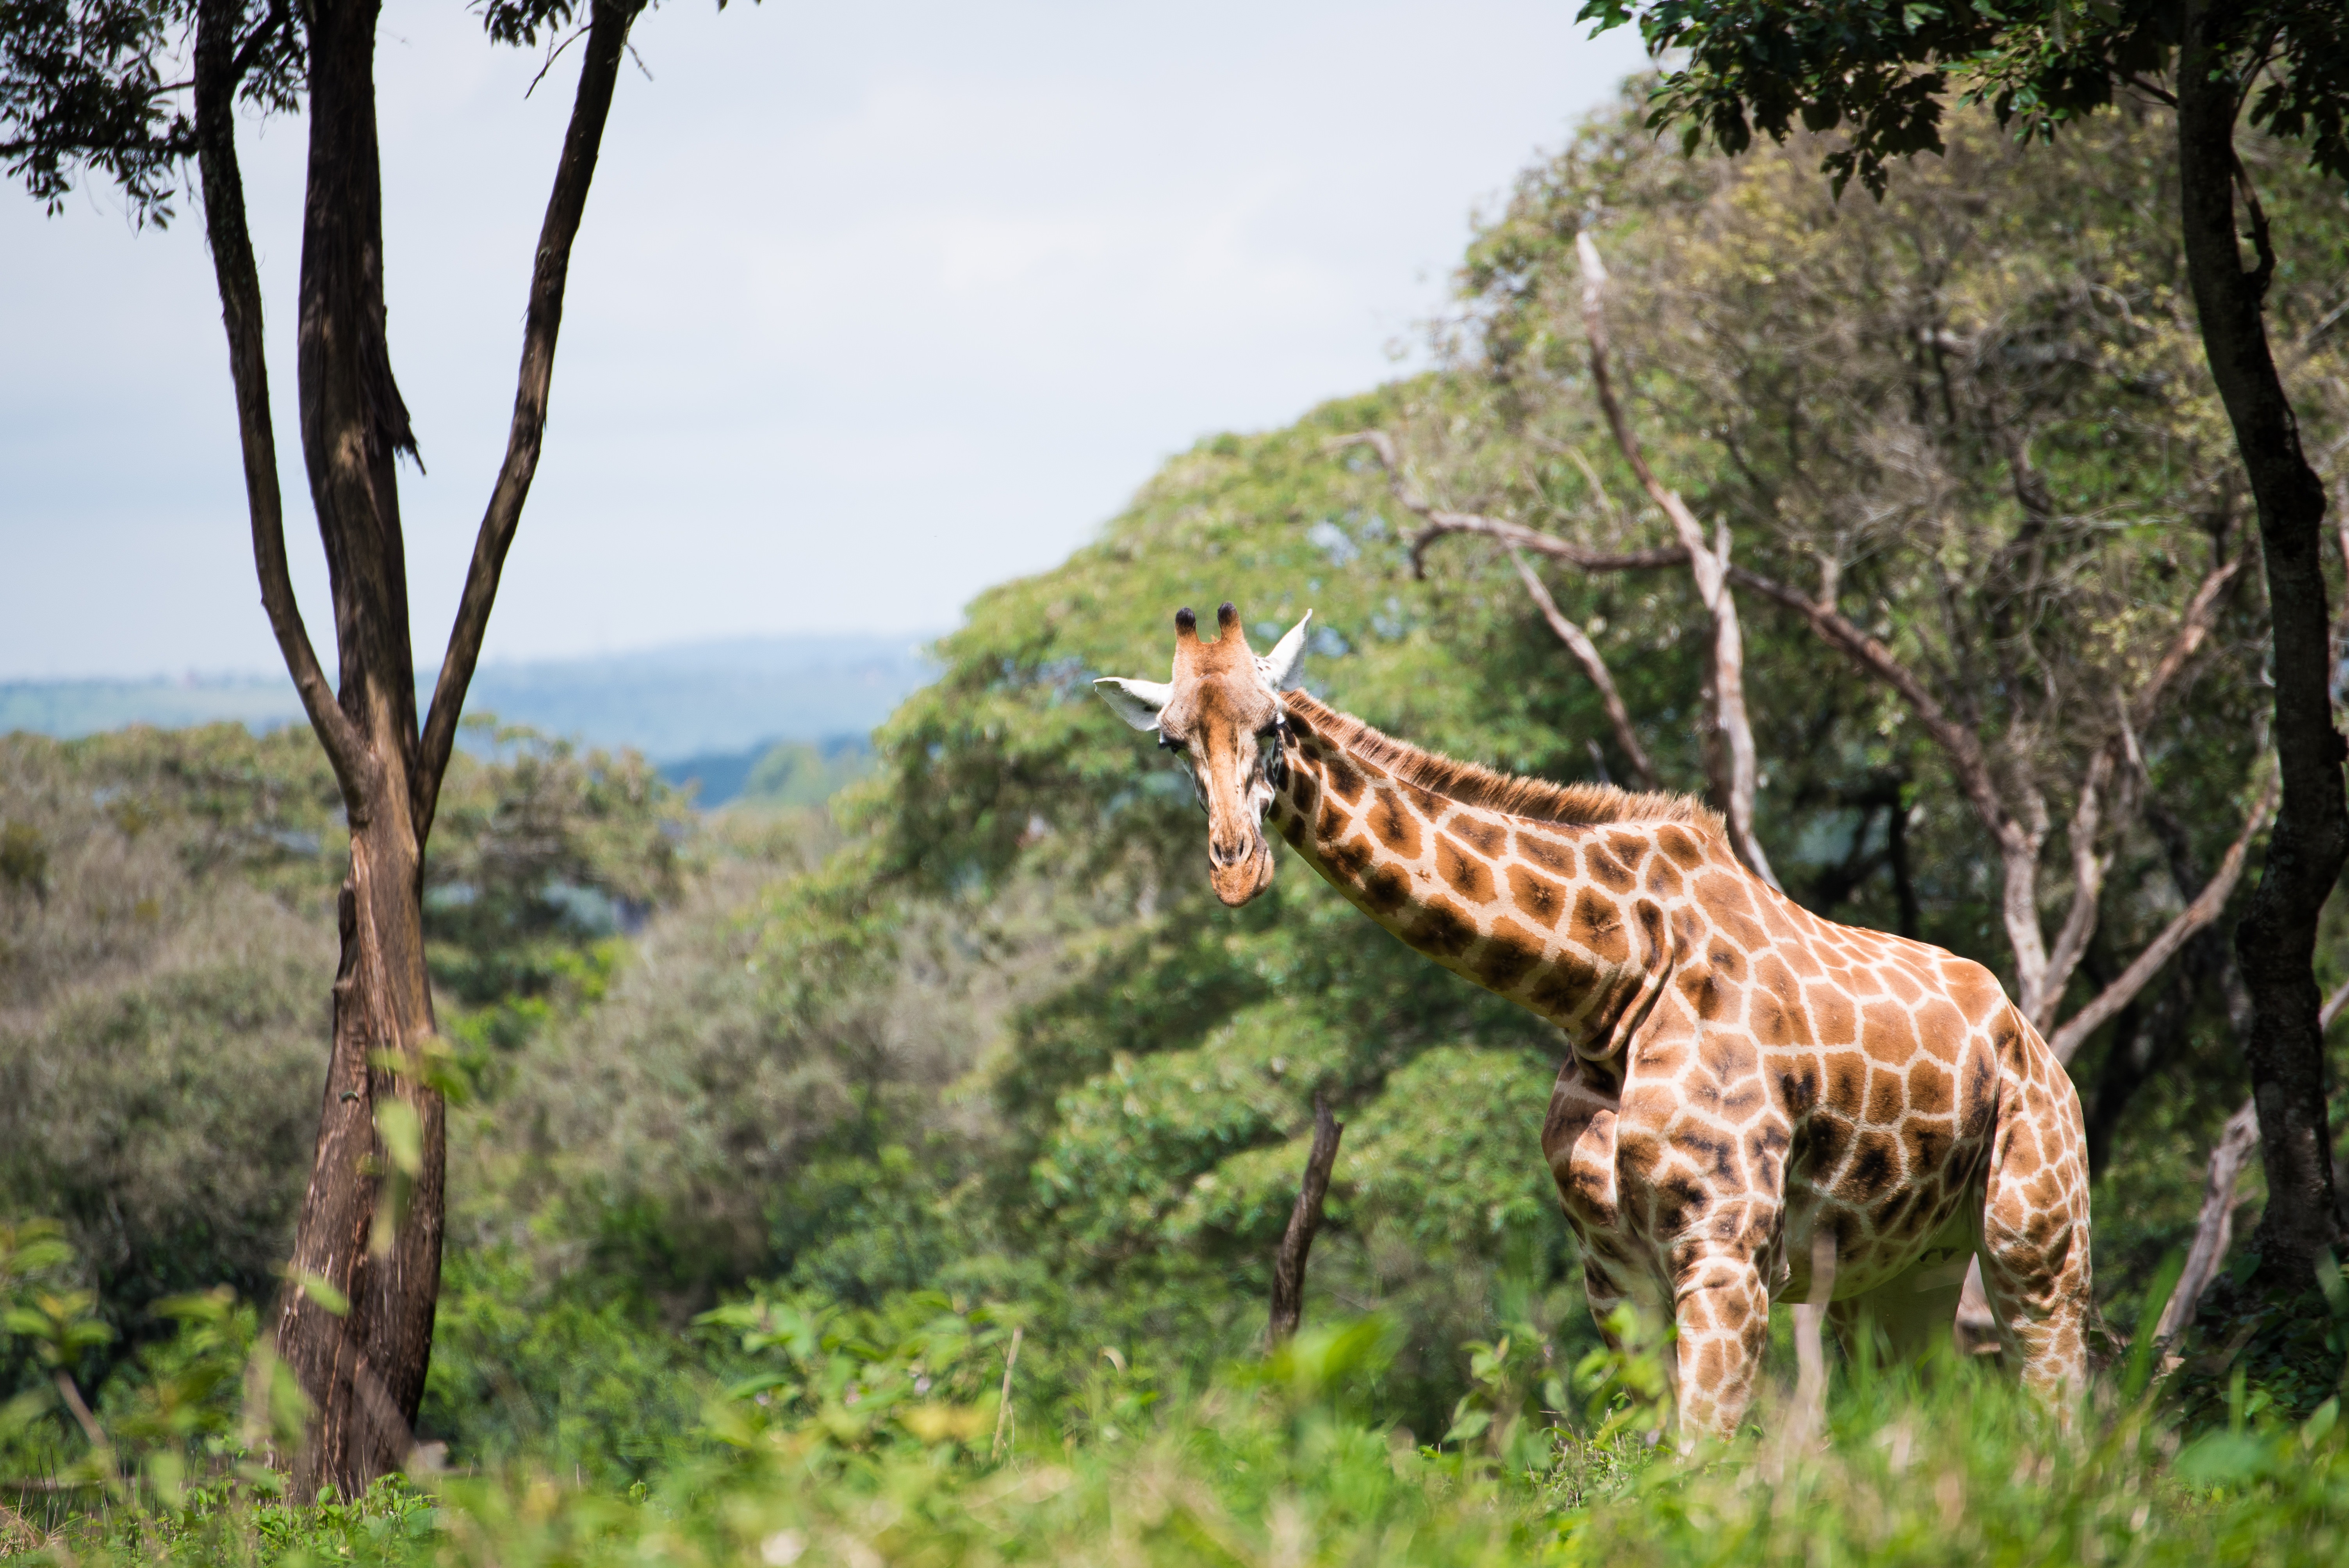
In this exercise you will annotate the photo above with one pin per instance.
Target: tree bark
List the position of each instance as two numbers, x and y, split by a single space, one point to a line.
2276 940
363 1368
1304 1223
356 1325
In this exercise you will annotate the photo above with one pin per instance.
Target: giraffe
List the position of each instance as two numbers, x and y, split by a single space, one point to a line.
1742 1077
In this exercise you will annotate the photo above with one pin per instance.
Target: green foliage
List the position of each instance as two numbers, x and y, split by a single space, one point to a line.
520 1370
1883 73
913 1376
1275 1460
806 772
537 853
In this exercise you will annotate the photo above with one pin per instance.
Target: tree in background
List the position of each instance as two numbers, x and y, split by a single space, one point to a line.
1883 76
96 85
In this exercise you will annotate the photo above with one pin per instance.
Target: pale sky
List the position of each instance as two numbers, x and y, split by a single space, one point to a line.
874 306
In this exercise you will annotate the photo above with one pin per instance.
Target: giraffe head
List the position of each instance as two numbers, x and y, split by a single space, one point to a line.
1221 716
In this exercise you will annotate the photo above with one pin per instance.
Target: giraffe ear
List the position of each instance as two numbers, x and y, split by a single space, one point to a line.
1280 665
1136 702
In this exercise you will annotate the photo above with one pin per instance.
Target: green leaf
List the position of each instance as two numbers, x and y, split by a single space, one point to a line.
395 1122
321 1290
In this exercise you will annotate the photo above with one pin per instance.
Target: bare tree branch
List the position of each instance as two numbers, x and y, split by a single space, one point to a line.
2205 909
1586 652
1441 524
2214 1228
2018 844
1733 761
2089 862
606 41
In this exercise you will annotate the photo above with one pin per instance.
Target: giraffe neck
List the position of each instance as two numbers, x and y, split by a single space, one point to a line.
1542 913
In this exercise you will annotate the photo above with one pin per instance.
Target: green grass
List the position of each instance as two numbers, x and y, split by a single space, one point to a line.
1280 1461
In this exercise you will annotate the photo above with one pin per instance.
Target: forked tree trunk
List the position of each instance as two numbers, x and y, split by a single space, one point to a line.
356 1323
2276 940
364 1371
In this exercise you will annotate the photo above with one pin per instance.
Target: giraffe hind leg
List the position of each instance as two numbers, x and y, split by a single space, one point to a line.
2034 1255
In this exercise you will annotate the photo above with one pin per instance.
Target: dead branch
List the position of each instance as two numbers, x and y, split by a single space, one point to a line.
2090 862
1586 653
1304 1223
2205 909
2214 1229
1003 1409
1441 524
1735 762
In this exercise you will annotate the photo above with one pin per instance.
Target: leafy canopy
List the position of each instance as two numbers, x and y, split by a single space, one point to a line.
1883 70
103 85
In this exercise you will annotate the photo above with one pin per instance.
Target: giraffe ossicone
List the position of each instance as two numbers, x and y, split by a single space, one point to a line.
1743 1077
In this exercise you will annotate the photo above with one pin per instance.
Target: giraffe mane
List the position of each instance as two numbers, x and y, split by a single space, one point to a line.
1473 784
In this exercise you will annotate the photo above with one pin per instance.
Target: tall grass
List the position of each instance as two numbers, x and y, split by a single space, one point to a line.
1280 1461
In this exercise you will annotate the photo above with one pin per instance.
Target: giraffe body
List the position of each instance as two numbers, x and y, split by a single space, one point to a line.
1742 1075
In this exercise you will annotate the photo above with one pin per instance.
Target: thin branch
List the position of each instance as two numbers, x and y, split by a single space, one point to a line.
2018 845
1735 761
554 55
79 1409
565 206
1586 653
2193 630
239 280
2089 863
2214 1228
2205 909
1003 1407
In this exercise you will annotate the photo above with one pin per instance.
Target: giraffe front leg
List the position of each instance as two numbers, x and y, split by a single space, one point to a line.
1722 1310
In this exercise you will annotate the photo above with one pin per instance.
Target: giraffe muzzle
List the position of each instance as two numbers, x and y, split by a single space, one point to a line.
1239 874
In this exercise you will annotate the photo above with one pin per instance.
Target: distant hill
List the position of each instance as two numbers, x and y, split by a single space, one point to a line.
698 701
786 773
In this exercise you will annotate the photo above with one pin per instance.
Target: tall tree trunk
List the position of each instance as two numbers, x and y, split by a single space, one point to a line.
364 1368
2276 940
356 1325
